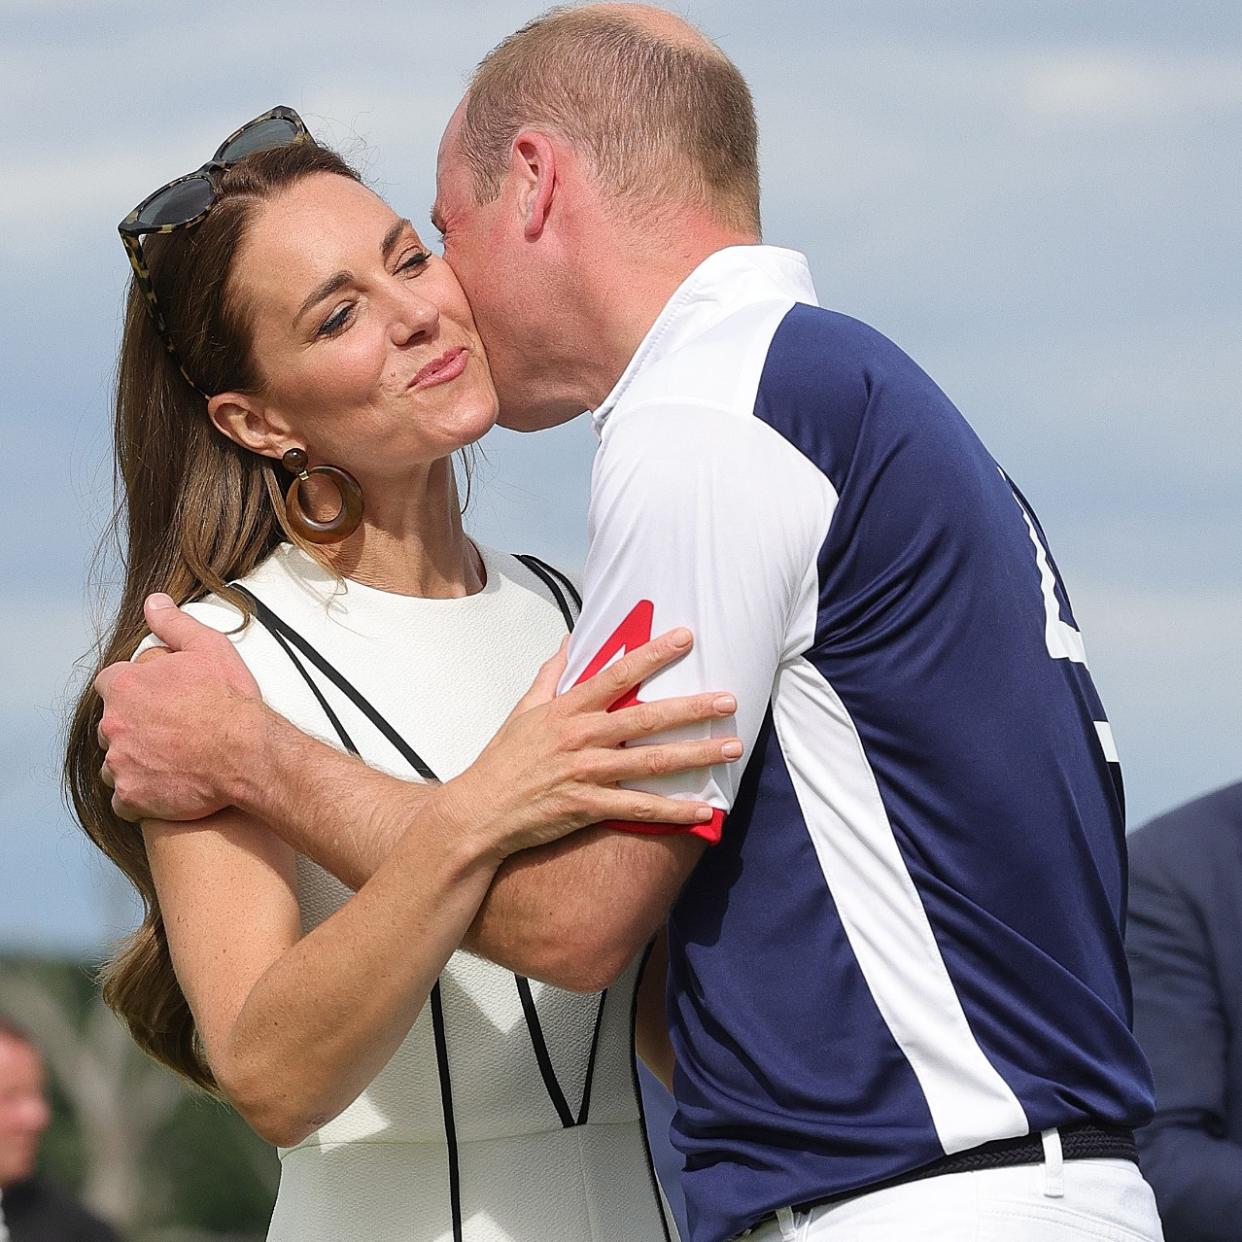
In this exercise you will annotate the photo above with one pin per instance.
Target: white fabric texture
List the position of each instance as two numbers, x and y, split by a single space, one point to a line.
1099 1201
445 674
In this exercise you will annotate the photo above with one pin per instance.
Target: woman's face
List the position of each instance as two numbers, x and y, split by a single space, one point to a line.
364 340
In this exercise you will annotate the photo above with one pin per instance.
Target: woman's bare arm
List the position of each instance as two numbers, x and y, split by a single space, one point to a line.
572 913
295 1026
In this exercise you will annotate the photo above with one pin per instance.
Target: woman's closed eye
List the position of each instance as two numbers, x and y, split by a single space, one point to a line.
410 264
414 262
336 320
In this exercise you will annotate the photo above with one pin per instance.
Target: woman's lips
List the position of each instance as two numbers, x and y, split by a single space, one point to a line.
448 366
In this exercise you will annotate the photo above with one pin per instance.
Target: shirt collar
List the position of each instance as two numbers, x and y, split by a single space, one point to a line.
726 280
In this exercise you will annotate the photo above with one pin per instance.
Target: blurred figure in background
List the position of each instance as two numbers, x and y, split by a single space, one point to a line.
1185 946
30 1209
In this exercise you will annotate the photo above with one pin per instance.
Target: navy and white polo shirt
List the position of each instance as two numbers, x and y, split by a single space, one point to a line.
908 941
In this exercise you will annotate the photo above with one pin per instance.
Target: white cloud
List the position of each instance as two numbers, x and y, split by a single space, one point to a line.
1124 86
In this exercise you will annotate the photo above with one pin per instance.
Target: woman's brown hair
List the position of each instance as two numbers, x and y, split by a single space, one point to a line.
194 511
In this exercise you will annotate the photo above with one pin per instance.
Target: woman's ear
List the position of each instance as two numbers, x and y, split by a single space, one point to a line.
250 422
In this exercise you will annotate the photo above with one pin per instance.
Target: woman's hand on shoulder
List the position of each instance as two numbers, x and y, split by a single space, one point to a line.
557 763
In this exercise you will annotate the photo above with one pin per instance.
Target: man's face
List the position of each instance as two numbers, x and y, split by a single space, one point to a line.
24 1112
498 269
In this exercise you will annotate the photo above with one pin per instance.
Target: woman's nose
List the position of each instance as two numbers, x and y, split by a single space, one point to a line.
413 316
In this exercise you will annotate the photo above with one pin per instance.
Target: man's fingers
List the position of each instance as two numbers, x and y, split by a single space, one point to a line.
636 763
107 676
151 653
174 628
606 687
661 715
105 775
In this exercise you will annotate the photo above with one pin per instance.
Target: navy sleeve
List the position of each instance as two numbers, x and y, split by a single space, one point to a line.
1179 1019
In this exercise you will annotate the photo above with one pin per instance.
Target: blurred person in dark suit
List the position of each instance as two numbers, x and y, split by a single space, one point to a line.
1185 946
31 1210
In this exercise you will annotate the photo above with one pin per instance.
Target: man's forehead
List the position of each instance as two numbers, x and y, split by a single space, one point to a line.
449 139
448 169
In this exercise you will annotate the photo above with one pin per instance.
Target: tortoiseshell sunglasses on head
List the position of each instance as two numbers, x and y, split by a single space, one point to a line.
188 199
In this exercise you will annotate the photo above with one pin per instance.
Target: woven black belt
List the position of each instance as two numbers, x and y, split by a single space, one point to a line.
1085 1141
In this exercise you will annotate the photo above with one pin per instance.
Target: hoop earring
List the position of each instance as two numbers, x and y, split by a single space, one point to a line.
347 517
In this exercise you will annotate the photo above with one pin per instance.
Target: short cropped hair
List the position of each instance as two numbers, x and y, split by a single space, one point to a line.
659 118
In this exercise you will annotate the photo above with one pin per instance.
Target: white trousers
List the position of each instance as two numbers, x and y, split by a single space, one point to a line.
1074 1201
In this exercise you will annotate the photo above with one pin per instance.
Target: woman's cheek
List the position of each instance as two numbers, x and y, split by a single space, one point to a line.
353 371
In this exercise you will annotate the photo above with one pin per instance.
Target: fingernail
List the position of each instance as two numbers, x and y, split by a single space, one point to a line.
725 704
703 814
681 638
159 600
732 750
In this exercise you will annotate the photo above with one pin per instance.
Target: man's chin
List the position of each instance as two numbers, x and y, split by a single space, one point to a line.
536 418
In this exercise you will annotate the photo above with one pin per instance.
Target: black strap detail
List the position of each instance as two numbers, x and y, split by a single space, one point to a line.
285 635
559 585
547 1070
277 626
333 718
584 1111
638 1097
564 579
540 1046
553 579
446 1103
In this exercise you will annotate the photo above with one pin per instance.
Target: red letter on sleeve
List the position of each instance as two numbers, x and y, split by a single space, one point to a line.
633 632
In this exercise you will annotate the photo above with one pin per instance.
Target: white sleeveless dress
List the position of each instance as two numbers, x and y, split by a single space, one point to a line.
511 1111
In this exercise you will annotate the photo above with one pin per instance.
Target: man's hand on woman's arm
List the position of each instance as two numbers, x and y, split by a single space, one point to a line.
187 735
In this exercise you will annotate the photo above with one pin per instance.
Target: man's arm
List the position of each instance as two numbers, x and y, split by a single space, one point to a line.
575 913
552 767
1180 1023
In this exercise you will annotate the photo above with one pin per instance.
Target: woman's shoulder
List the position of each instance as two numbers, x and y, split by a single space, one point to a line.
549 580
226 616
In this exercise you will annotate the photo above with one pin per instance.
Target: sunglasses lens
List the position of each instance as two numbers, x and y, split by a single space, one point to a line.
274 132
178 203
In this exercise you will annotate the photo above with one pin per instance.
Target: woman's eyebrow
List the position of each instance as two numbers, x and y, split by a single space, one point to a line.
325 290
341 279
393 236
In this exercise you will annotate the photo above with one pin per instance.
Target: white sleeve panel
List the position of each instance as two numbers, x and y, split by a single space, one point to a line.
716 520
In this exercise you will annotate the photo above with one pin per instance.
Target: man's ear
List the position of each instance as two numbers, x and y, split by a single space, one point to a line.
533 164
251 422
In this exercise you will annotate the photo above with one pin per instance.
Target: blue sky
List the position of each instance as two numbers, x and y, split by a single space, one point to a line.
1037 200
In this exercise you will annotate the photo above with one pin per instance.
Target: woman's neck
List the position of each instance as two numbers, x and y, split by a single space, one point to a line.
411 540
